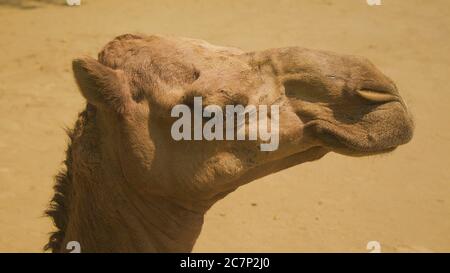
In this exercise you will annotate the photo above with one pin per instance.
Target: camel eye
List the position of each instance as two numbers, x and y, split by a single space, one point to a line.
196 74
232 98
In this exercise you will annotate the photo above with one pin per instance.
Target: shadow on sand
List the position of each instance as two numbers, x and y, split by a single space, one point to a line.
31 4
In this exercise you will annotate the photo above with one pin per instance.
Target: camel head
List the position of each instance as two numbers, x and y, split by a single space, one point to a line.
327 103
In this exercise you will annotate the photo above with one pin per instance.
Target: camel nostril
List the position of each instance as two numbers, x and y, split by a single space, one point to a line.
376 96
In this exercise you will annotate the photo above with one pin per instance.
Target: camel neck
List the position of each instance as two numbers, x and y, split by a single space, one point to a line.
97 206
108 215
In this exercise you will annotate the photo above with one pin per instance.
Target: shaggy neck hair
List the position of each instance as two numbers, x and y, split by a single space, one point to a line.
94 205
59 205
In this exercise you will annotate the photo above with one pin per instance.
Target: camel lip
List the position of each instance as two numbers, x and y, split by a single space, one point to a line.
344 141
339 143
344 147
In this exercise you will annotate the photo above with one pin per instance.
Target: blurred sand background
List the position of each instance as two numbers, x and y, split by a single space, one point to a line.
401 200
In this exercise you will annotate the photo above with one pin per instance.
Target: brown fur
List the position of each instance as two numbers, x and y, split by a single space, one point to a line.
58 210
129 187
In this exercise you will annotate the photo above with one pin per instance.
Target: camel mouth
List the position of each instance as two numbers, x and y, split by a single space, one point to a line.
343 145
379 132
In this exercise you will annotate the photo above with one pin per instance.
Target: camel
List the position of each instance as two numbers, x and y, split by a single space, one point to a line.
128 186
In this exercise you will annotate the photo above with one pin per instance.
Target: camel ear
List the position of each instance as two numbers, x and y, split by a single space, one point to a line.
101 85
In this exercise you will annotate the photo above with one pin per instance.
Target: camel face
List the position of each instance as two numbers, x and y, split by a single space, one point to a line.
345 102
327 102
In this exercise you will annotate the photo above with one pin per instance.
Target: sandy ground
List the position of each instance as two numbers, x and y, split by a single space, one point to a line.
401 200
